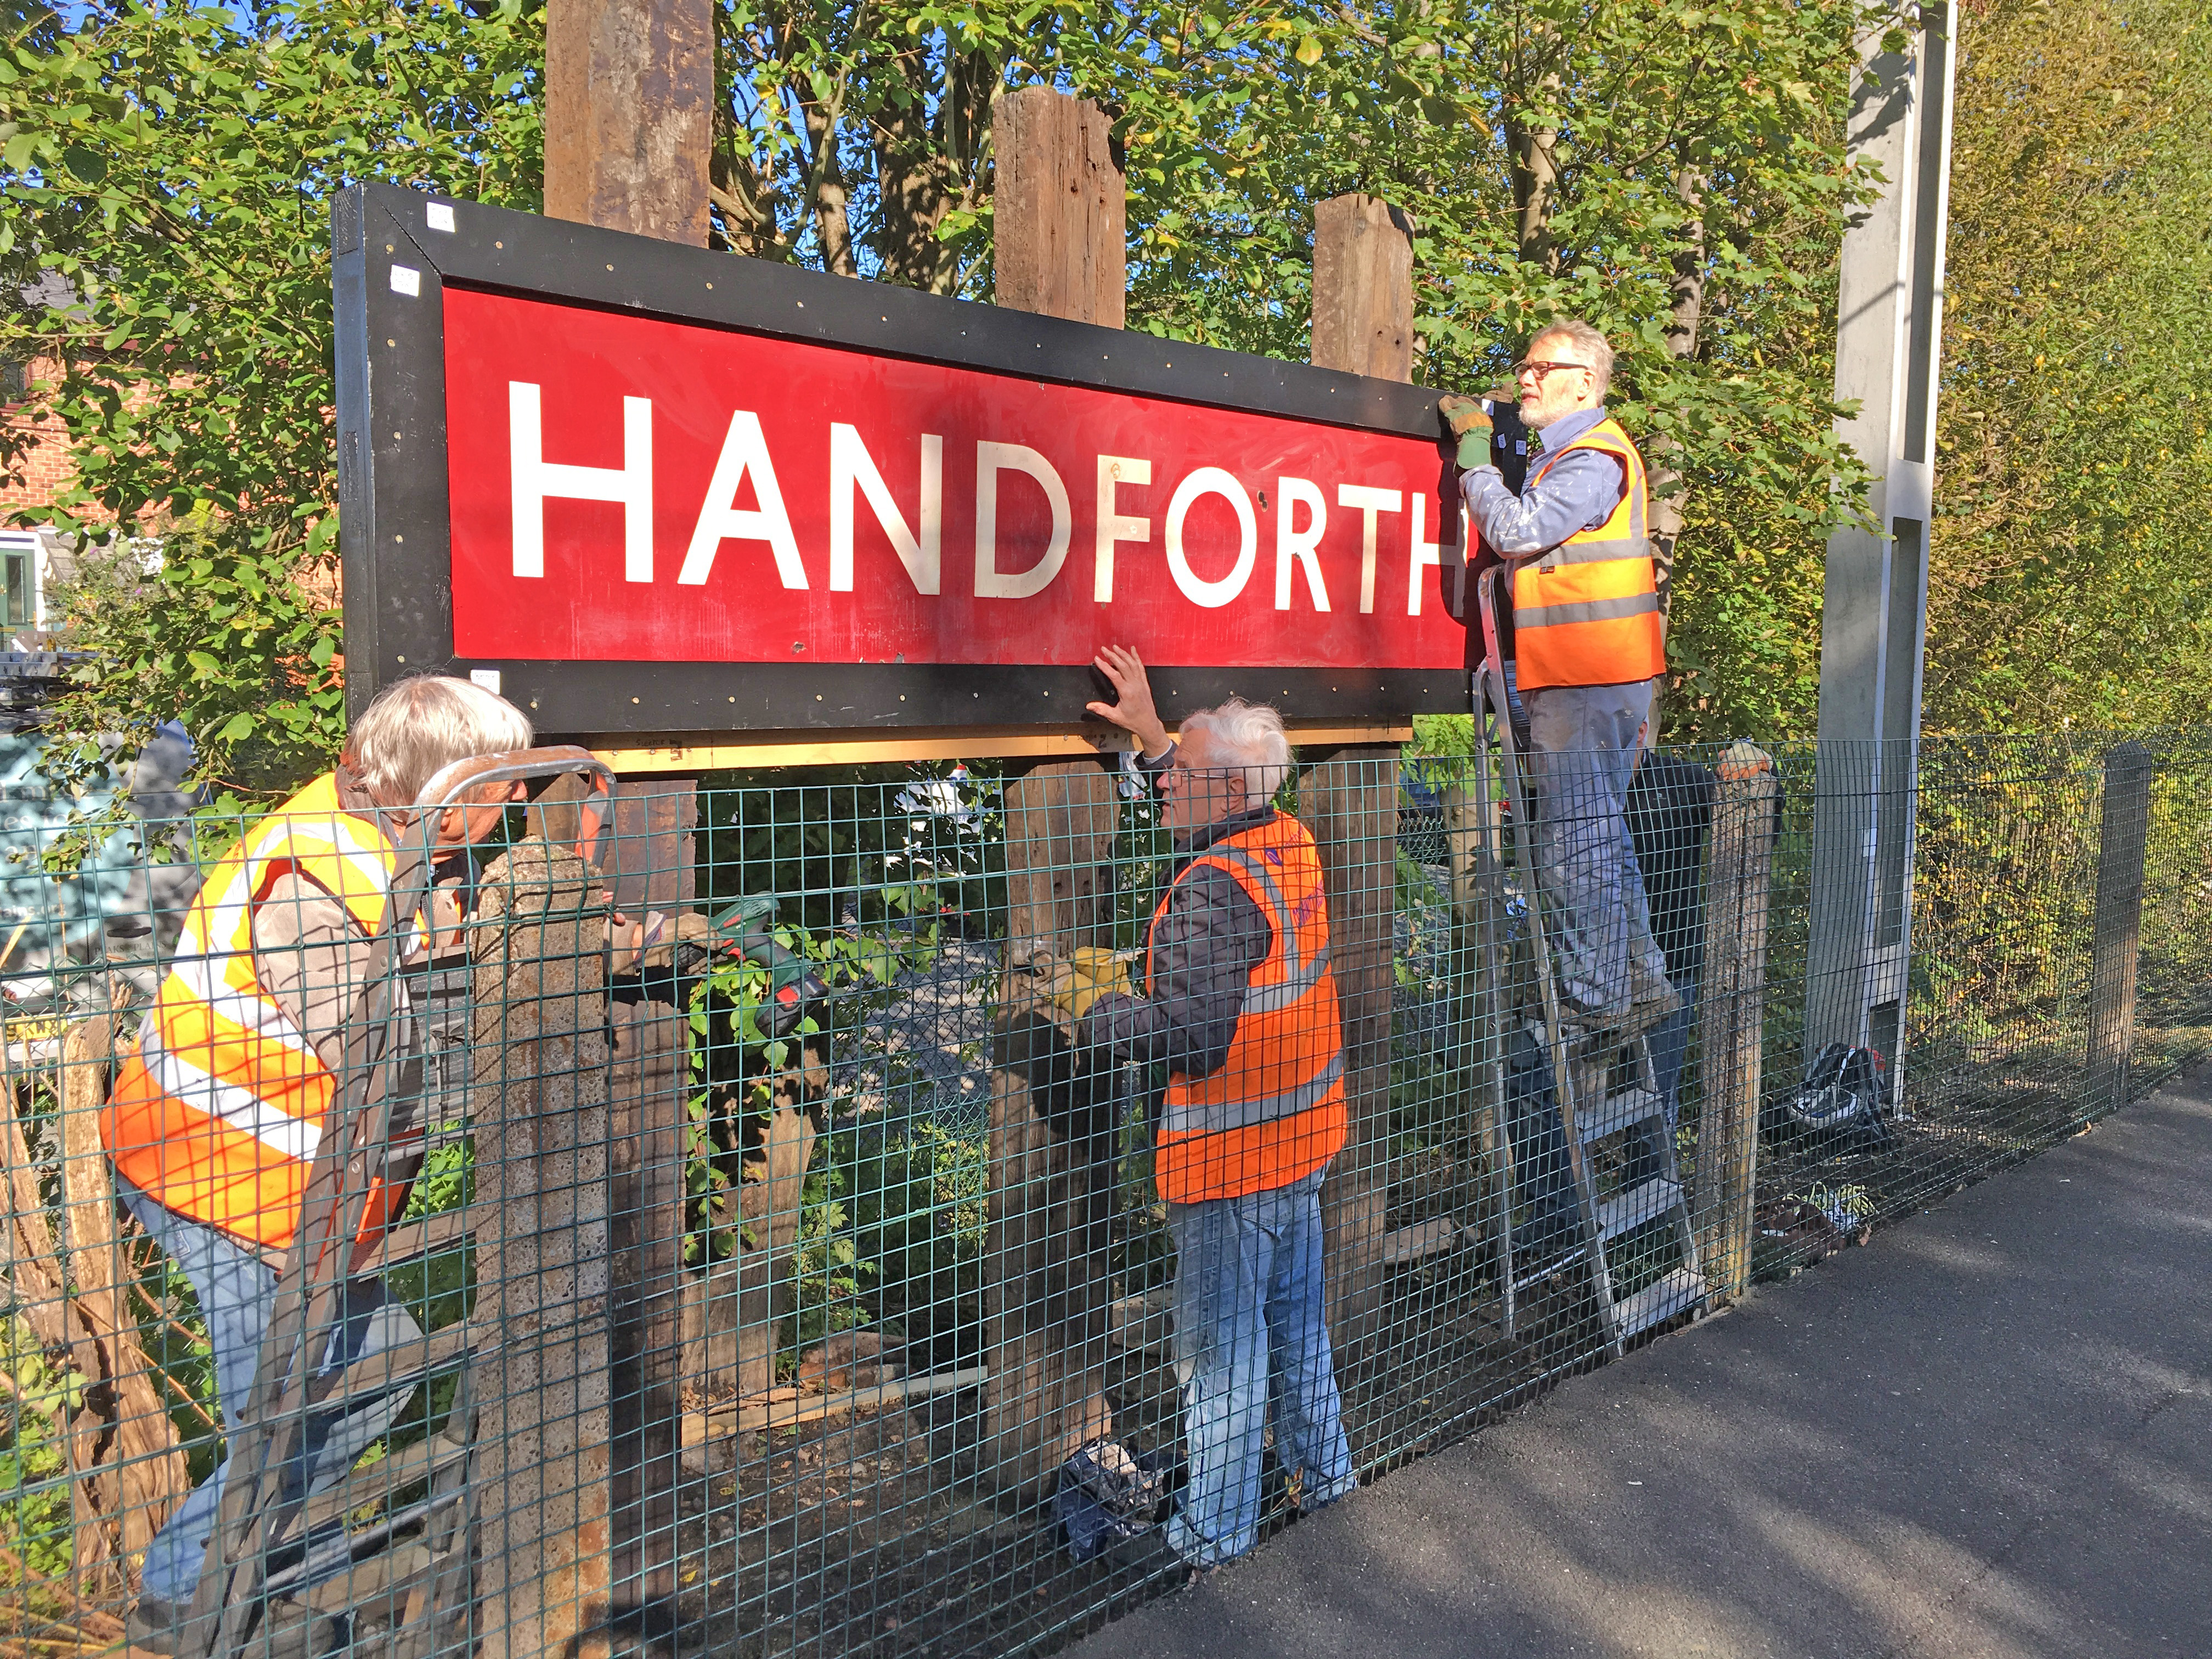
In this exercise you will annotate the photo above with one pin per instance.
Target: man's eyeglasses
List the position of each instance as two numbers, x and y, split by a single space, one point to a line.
1531 365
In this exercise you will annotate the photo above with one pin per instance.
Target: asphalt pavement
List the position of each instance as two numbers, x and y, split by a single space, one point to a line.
1985 1435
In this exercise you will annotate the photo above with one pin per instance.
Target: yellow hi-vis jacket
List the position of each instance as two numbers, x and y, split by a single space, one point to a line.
1587 611
1275 1110
218 1114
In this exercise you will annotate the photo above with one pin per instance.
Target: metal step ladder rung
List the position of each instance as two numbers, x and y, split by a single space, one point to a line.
1677 1293
1637 1207
1582 1062
1621 1111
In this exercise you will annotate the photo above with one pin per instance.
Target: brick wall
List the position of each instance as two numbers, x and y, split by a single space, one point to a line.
47 467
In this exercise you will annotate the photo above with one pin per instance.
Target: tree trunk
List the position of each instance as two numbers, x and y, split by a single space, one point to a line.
1669 497
831 225
1535 179
927 164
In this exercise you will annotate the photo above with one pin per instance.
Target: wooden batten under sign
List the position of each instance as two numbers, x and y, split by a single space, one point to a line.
952 743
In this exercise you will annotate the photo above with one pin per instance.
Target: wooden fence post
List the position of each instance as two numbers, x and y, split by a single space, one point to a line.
1060 231
1475 989
1363 323
2116 934
540 1085
1363 288
1732 1015
630 103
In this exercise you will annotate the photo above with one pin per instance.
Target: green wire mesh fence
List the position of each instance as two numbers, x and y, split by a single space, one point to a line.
729 1217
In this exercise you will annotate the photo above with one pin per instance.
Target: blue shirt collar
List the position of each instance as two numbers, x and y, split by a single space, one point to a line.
1565 430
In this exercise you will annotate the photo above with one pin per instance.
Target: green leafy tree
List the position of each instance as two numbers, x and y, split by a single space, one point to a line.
165 178
2066 581
1673 171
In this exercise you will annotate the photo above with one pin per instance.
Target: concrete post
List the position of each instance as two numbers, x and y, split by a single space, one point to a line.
1874 601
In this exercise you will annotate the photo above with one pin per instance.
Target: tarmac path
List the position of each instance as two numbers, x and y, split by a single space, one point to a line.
1988 1435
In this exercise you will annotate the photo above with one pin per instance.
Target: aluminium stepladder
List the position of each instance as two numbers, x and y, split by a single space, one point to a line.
391 1546
1603 1086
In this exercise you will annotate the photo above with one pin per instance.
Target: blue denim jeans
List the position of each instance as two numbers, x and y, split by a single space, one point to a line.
1581 751
1248 1334
236 1292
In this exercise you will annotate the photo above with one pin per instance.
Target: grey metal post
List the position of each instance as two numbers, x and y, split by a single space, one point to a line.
1874 601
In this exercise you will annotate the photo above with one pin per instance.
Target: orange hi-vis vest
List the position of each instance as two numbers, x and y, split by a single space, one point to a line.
1275 1110
218 1115
1586 612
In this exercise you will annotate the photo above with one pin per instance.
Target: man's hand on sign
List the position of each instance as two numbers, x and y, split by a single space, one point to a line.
1133 710
1469 420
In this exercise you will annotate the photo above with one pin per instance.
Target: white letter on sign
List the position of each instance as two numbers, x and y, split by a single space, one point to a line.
1369 501
745 451
991 583
1113 526
1427 555
850 463
1212 481
534 480
1292 542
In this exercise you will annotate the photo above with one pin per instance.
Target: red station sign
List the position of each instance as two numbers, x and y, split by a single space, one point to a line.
651 491
626 487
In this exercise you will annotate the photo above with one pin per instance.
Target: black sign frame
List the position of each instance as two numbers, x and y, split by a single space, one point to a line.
395 249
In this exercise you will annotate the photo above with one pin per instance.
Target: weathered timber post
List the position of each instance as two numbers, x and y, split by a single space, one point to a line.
630 100
540 1120
1476 988
1061 210
1060 235
118 1501
648 869
1732 1015
1363 323
645 862
1363 287
2116 934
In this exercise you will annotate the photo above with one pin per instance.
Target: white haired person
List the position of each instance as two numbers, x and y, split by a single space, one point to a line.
1587 644
214 1122
1240 1005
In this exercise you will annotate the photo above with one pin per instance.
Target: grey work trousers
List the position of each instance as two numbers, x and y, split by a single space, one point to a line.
1581 753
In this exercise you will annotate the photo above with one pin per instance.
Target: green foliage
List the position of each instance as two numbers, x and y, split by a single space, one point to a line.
827 1270
165 178
165 183
35 1525
1675 171
238 643
2067 582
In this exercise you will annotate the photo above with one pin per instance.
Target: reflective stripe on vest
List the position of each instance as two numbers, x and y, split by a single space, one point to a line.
1299 976
1274 1112
219 1113
1587 611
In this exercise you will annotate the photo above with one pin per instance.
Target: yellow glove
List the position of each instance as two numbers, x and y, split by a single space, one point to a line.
1076 985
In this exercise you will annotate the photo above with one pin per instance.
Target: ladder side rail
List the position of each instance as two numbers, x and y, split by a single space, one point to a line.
309 1305
1563 1081
1491 997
